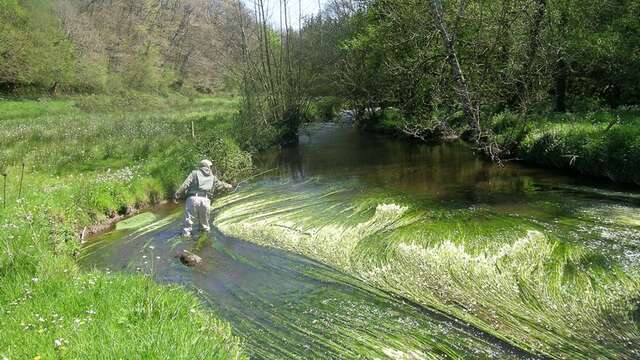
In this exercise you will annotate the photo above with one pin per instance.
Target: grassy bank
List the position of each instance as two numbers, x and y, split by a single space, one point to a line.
600 144
85 164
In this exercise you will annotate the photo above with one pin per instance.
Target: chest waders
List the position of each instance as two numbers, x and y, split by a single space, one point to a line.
198 204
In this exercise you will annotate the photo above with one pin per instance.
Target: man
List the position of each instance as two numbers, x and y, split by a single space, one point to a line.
197 187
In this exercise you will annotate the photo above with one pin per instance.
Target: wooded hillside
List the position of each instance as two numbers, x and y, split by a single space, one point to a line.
99 45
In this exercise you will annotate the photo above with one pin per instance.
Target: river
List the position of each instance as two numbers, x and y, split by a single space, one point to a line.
359 246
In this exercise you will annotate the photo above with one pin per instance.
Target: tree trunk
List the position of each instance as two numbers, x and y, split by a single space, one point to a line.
53 91
561 86
562 70
520 97
462 88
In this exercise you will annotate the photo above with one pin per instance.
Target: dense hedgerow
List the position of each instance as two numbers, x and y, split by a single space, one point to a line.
80 169
605 144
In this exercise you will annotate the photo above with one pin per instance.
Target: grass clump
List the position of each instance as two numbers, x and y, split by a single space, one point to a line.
83 168
99 315
600 144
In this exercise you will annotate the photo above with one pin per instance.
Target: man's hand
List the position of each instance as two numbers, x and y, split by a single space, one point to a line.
175 199
228 186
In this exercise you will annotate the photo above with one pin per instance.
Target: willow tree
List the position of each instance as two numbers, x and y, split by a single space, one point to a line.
275 104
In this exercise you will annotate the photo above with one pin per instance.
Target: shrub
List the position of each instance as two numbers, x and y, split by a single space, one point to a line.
604 144
325 108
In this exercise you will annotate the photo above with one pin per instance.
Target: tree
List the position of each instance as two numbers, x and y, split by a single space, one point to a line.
460 82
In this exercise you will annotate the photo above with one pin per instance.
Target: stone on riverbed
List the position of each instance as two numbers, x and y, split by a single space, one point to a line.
189 259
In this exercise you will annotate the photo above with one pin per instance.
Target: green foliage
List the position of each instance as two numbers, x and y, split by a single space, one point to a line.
127 100
510 129
79 141
274 104
325 108
64 47
603 144
35 51
527 57
256 127
253 135
600 41
266 119
16 110
230 162
143 74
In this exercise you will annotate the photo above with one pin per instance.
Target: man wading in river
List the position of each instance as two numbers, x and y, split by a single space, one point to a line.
198 186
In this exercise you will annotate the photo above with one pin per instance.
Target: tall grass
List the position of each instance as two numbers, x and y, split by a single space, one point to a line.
98 316
511 276
82 168
604 144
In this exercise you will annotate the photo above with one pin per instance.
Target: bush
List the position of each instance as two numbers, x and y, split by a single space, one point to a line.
604 144
510 128
126 101
251 133
325 108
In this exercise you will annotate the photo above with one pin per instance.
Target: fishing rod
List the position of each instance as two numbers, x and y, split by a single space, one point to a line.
252 177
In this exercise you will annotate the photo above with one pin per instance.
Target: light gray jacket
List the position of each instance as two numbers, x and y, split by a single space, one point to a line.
200 182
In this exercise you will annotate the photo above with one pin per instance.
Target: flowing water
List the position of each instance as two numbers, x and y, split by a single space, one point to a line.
361 246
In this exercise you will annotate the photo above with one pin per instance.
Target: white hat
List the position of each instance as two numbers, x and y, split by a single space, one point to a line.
206 163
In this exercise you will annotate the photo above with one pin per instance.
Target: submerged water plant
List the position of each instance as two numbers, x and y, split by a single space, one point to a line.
287 307
526 279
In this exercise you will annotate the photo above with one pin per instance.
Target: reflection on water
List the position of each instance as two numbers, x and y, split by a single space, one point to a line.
533 257
450 170
446 170
578 209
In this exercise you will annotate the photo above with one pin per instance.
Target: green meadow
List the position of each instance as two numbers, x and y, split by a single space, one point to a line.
69 164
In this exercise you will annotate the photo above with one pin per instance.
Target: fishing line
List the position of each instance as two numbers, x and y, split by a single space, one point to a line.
252 177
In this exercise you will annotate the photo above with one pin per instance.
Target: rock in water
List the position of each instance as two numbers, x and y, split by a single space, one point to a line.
189 259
